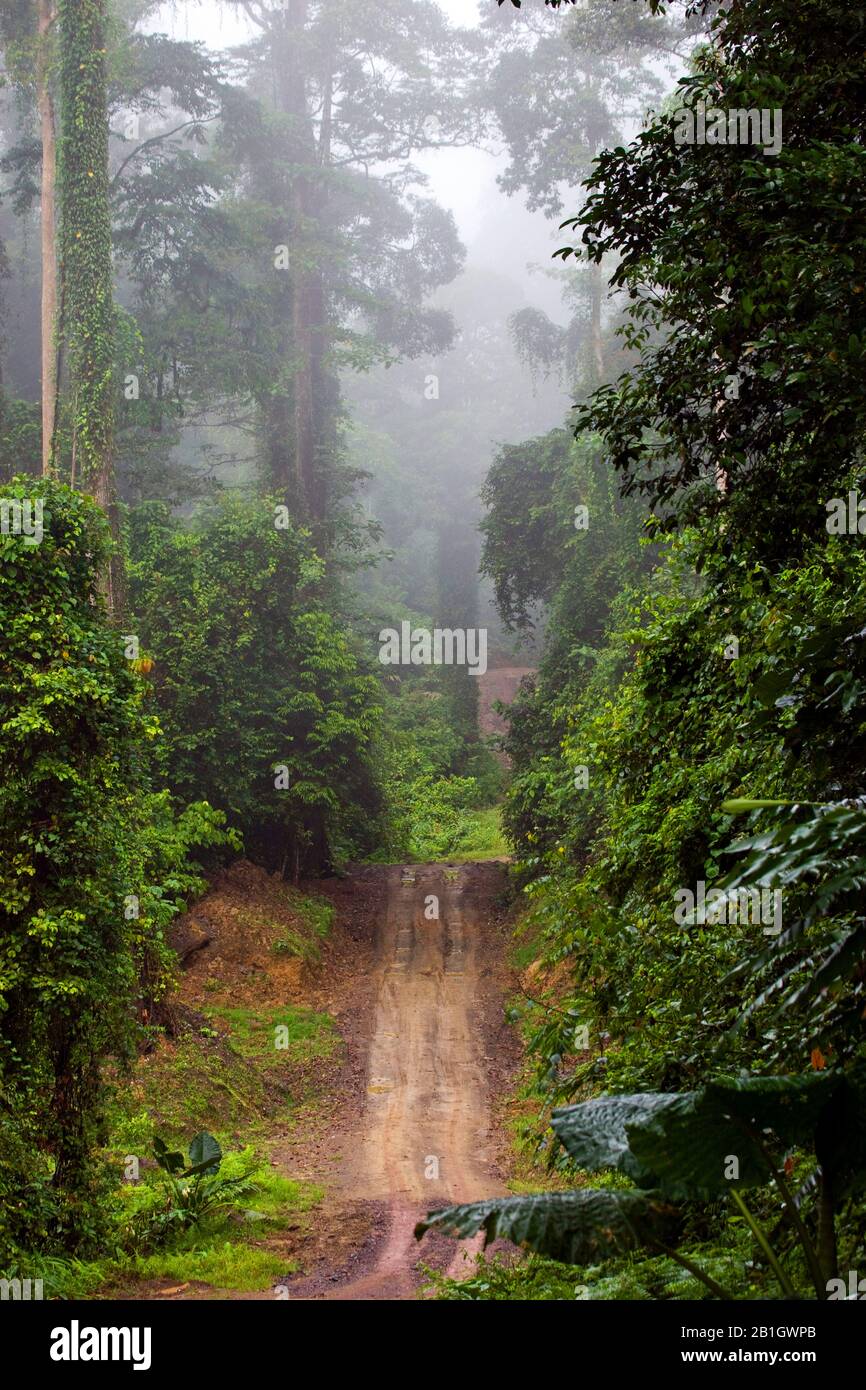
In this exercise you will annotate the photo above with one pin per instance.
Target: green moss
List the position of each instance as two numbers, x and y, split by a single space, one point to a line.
280 1199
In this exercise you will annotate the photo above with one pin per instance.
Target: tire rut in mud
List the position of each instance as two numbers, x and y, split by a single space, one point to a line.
424 1139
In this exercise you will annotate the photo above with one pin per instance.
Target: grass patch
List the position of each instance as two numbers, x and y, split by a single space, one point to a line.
62 1277
184 1086
228 1248
273 1035
227 1078
237 1247
317 912
482 837
225 1265
317 918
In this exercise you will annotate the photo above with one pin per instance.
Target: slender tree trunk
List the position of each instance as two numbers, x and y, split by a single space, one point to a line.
294 104
596 293
302 334
45 103
298 469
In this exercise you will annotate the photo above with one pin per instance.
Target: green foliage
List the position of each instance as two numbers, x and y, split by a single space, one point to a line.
729 680
729 1261
497 1280
813 973
192 1192
536 556
714 300
431 818
94 865
679 1143
677 1147
537 551
430 810
73 732
213 1235
20 438
668 729
575 1227
254 674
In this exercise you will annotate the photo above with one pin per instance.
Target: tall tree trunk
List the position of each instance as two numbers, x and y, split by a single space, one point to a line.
302 335
306 483
87 295
45 101
294 103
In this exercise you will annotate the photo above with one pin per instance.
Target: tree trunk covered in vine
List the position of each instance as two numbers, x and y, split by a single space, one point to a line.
45 103
87 301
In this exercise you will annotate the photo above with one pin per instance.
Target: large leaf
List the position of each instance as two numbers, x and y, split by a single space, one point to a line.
170 1161
595 1132
205 1155
575 1227
690 1145
825 854
829 847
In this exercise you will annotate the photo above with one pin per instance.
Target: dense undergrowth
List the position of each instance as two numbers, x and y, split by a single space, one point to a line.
224 1063
695 734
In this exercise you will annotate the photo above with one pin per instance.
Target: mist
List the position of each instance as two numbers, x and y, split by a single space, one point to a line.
432 602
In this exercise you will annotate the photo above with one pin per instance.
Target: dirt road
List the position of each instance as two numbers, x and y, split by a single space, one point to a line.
500 683
424 1137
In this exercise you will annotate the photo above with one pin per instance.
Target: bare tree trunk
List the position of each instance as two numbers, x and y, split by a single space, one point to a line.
294 102
301 472
302 333
596 293
45 103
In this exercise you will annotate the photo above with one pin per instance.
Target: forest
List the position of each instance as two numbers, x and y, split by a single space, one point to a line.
433 664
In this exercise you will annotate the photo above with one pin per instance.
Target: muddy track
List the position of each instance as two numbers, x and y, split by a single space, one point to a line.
424 1137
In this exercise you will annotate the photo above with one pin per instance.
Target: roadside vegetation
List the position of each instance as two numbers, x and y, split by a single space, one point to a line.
687 806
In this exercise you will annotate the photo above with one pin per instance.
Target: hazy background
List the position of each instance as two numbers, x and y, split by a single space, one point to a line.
462 180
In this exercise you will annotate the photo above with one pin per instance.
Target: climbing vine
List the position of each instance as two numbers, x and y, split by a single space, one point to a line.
87 305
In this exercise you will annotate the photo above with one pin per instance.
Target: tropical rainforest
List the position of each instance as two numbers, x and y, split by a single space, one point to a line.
537 327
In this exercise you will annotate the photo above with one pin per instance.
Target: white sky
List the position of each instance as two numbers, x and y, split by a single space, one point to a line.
462 180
